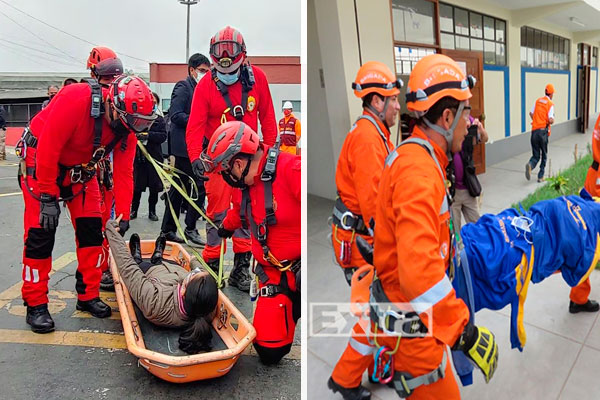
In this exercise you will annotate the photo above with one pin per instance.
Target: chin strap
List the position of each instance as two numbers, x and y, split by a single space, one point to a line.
381 115
449 133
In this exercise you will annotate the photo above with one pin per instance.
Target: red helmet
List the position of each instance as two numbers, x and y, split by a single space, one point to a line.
134 102
227 50
229 140
104 62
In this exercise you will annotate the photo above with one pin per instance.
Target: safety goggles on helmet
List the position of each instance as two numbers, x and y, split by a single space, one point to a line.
386 86
227 47
423 94
137 122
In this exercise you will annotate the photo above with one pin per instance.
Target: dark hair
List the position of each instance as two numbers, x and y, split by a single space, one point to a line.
69 81
369 98
436 111
156 98
53 86
197 60
200 303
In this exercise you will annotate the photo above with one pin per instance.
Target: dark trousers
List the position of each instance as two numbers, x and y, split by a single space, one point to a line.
152 200
539 146
168 224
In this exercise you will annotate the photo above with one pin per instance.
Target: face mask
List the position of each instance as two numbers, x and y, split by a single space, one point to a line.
199 75
287 112
118 128
229 79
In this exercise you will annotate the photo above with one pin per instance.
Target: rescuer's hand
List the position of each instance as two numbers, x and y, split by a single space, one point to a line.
198 169
479 345
224 233
49 212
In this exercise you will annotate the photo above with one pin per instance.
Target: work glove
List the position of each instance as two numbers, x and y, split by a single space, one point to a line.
123 227
198 169
479 345
224 233
49 212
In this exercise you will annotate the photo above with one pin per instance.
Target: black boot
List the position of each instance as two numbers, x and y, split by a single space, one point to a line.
358 393
590 306
194 237
96 307
239 276
172 237
133 215
39 319
135 248
159 248
152 216
106 282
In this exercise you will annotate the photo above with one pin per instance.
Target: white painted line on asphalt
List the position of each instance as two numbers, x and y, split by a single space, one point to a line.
9 194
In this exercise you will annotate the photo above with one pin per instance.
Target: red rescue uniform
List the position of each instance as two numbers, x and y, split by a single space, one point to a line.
411 255
65 133
275 317
208 112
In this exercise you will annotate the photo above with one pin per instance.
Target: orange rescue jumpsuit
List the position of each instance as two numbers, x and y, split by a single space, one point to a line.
357 178
580 293
411 255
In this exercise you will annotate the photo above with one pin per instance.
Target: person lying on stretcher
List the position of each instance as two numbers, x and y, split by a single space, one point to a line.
167 294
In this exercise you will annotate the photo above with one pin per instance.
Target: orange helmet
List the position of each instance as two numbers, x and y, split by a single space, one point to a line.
228 141
433 77
376 77
549 88
104 62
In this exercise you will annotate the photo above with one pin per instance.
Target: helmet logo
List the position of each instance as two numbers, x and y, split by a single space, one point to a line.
225 62
373 76
251 103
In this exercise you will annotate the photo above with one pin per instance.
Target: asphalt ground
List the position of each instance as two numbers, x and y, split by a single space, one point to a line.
87 357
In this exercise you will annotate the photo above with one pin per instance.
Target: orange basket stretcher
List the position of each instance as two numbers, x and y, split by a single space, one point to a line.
232 332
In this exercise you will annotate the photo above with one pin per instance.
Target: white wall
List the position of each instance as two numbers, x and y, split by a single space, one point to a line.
535 84
493 101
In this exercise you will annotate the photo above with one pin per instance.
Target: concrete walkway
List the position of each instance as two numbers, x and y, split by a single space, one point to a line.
562 354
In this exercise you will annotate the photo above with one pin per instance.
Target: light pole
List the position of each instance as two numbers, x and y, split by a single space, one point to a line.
188 3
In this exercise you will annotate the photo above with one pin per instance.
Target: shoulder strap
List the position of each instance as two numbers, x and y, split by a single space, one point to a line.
424 144
96 110
372 120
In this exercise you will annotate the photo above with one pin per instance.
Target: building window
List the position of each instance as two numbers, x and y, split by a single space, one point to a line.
20 114
461 29
407 57
544 50
595 57
413 21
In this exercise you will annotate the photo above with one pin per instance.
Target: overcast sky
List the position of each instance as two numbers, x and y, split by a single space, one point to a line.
150 30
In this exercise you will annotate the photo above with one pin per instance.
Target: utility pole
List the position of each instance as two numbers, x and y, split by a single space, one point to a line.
188 3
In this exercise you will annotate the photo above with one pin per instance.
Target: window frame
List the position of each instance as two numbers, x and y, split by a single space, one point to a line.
469 38
554 47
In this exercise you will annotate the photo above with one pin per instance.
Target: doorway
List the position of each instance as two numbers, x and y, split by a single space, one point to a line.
584 52
472 61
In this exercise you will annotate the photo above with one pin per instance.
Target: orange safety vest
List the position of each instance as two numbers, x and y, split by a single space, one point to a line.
540 114
287 131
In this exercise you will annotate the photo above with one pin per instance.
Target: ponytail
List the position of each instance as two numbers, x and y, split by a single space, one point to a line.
197 335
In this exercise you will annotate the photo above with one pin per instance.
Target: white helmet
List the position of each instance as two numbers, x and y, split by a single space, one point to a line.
288 105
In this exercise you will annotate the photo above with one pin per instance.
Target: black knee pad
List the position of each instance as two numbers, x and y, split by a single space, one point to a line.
271 355
39 243
88 231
